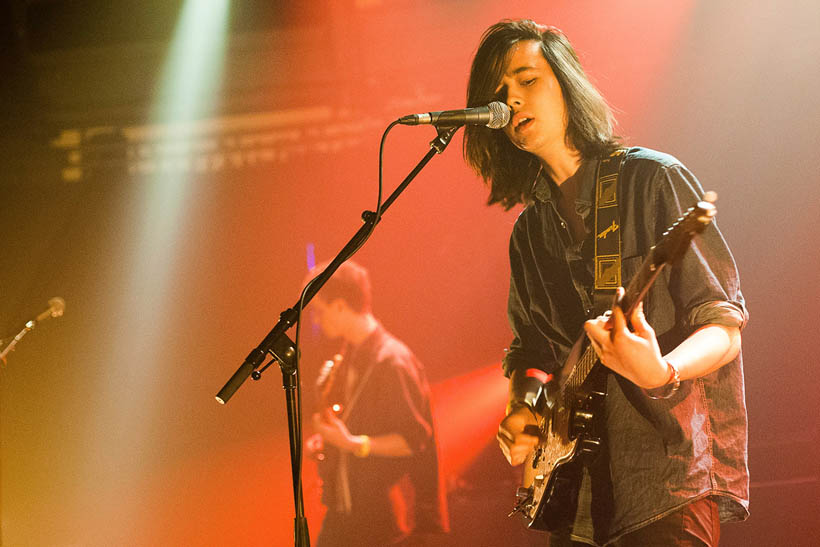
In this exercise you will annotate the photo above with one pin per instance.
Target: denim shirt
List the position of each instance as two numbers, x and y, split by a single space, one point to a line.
659 454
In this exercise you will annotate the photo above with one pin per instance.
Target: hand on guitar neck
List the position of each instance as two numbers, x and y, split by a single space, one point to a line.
634 354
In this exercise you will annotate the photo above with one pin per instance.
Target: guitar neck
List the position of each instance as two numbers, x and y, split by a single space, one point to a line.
634 293
672 245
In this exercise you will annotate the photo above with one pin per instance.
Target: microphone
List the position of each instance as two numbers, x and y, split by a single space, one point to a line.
495 116
56 307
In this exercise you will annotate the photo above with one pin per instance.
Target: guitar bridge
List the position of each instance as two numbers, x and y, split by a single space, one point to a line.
523 500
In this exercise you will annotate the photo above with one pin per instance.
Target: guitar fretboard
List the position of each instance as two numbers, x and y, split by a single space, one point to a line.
634 293
673 244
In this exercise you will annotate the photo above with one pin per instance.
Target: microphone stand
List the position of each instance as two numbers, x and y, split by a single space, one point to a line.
283 350
8 349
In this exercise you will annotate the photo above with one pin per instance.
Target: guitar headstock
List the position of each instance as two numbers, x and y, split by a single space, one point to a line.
677 237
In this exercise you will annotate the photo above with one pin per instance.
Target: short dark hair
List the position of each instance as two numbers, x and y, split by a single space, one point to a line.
507 170
350 282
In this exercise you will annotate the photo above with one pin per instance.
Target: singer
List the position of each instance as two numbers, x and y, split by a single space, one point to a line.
673 461
380 463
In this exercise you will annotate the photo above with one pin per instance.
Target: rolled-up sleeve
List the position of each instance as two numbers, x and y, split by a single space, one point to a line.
727 314
704 284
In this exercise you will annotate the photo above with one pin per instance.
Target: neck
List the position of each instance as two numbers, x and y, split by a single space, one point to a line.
561 163
360 327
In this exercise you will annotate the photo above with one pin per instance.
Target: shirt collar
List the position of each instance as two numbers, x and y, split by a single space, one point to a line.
368 345
545 188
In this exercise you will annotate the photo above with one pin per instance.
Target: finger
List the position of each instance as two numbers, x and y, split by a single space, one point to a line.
503 443
640 324
505 436
521 450
618 322
638 319
593 331
596 346
596 326
517 457
526 442
618 297
599 336
517 454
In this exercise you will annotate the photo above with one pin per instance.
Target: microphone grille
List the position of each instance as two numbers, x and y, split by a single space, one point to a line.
499 115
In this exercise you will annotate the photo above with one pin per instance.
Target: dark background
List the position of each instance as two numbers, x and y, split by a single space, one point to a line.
177 238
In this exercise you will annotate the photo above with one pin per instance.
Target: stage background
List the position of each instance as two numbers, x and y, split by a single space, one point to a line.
176 217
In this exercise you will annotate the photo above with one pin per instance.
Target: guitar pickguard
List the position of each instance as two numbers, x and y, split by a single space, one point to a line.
549 493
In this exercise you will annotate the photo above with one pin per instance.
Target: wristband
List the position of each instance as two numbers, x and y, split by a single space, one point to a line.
674 380
526 386
363 450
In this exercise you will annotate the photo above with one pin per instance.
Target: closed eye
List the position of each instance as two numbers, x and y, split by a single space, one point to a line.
528 82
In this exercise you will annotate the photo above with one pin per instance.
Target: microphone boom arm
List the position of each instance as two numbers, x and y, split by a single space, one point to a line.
276 342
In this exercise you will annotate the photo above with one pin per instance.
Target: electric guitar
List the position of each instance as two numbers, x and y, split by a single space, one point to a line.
325 384
548 497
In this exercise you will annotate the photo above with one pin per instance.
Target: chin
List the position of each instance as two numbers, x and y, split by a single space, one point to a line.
527 147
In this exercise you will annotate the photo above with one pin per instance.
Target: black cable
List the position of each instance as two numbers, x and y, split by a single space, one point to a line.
301 306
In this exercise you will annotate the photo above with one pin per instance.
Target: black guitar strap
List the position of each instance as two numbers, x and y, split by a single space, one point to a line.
607 232
607 247
526 386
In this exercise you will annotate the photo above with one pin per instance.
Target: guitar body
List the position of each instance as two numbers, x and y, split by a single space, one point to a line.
326 468
328 457
548 498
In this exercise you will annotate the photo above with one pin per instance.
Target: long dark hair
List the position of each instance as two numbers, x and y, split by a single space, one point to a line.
507 170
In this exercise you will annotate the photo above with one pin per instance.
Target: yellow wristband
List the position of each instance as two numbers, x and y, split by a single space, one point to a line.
363 450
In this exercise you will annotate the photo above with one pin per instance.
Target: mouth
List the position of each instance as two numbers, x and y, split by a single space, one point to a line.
521 122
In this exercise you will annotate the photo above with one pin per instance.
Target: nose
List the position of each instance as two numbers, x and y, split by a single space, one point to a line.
514 101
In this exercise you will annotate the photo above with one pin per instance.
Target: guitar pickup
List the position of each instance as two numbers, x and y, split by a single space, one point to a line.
590 447
582 422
